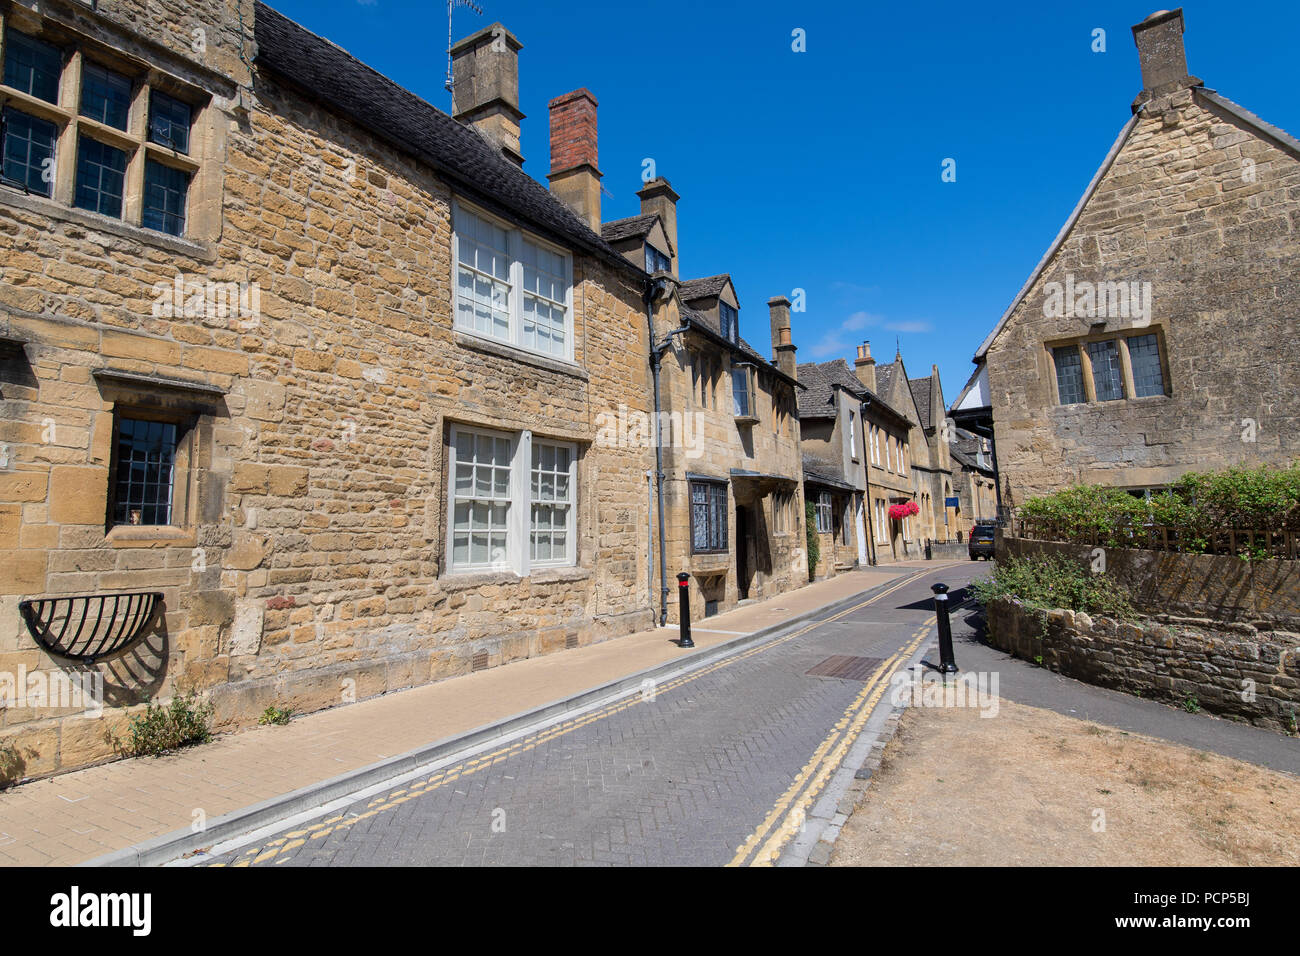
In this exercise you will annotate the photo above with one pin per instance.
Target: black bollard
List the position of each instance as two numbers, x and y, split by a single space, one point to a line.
947 662
929 556
684 609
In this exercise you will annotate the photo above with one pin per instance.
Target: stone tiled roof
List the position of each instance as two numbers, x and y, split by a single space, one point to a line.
693 289
706 321
921 395
458 153
633 227
884 377
821 378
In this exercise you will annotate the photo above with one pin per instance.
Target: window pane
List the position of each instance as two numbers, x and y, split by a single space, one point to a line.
727 320
482 285
1069 375
105 95
1105 370
740 392
101 171
165 193
1144 356
169 122
146 454
29 152
32 66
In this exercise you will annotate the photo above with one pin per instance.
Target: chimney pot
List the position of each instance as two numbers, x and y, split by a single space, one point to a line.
485 91
574 176
864 366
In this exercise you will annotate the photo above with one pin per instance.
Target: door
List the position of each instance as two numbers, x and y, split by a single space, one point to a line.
742 551
861 528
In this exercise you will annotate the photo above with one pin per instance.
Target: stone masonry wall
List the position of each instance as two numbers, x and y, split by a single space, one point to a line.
312 573
1208 211
1222 587
1234 670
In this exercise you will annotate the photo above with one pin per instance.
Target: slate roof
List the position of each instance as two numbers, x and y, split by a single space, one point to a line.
820 379
692 289
458 153
921 395
633 227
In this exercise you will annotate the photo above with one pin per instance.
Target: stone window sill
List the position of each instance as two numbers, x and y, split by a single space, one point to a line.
504 350
150 536
455 581
91 220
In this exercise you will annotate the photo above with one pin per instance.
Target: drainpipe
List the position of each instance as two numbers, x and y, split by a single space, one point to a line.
655 290
650 535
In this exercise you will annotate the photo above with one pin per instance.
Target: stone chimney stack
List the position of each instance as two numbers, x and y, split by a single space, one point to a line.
574 176
485 73
783 347
1159 41
657 196
865 366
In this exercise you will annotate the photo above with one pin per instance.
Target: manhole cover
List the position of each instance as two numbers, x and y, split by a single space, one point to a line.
847 668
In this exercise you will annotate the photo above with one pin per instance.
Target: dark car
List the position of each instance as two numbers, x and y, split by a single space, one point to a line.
981 540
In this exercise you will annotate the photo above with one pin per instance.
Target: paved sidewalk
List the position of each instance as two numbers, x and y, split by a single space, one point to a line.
78 816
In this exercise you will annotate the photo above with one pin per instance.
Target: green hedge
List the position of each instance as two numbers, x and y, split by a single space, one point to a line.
1196 514
1044 582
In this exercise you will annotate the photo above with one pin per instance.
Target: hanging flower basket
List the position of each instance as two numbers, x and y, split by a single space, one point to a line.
905 510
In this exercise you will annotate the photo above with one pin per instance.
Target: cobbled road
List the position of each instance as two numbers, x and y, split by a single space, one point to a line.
711 767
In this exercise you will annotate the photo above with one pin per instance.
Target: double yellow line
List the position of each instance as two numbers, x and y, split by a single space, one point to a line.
790 811
267 852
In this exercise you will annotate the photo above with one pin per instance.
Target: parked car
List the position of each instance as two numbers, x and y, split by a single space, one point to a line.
981 540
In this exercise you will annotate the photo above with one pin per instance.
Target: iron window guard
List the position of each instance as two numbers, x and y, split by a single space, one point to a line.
49 621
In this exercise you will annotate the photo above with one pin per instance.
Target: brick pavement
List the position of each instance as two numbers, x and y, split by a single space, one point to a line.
78 816
679 779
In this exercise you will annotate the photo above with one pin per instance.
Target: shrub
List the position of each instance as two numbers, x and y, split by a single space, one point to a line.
1197 511
164 728
814 544
1044 582
275 715
13 762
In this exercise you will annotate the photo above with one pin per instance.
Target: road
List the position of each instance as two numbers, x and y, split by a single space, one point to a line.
721 765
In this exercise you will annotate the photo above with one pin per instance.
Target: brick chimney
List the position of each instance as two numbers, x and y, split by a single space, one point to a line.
657 196
485 73
783 348
1159 41
865 366
574 177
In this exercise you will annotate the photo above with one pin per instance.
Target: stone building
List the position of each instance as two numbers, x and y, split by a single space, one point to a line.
733 510
312 361
918 453
974 480
834 452
1157 334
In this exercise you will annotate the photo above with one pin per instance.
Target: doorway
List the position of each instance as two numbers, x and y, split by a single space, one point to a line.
743 568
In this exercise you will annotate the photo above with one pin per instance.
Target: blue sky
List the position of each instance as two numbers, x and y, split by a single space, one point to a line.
821 170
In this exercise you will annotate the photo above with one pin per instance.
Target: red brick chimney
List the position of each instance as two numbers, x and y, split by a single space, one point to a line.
574 176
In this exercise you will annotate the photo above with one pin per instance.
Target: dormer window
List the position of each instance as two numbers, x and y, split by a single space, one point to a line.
728 321
656 261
